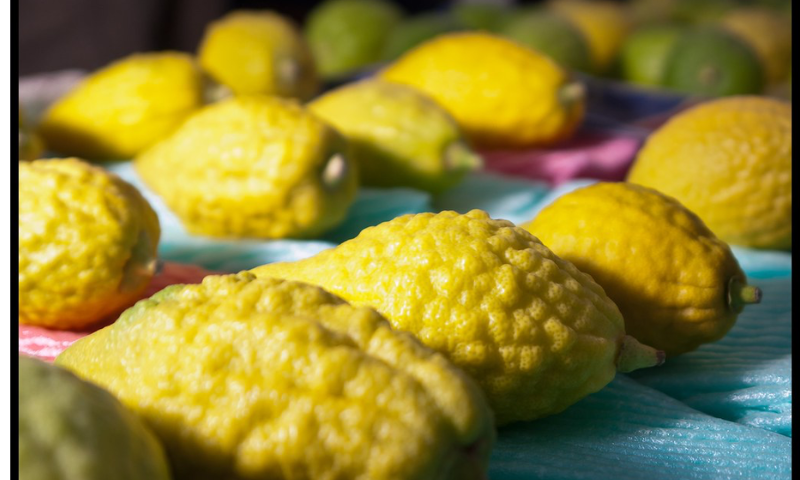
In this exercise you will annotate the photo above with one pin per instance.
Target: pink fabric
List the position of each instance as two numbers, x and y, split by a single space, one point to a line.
47 344
587 155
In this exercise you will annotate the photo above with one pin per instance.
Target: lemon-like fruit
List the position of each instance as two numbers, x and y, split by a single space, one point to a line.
399 136
258 51
120 110
87 243
527 99
253 166
604 24
262 378
535 332
72 429
730 162
30 145
677 285
770 35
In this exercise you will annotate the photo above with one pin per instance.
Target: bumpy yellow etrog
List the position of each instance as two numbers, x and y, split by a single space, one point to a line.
730 162
72 429
87 243
120 110
258 51
246 378
400 137
253 166
535 332
677 285
503 95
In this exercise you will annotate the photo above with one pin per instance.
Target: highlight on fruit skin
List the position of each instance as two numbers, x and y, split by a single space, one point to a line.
677 285
535 333
253 378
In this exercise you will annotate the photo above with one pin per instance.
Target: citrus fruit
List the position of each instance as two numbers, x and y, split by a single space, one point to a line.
72 429
125 107
261 378
677 285
399 136
346 35
552 35
258 51
770 35
490 17
534 332
730 162
87 243
253 166
527 100
414 30
645 52
711 61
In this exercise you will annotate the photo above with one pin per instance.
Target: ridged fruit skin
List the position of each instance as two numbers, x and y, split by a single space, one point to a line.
253 166
605 24
262 378
730 162
665 270
121 109
770 35
72 429
523 103
258 51
399 136
87 243
535 332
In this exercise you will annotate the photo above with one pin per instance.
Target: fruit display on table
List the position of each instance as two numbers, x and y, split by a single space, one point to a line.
421 316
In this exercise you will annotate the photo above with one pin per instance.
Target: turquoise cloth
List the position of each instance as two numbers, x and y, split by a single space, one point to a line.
723 411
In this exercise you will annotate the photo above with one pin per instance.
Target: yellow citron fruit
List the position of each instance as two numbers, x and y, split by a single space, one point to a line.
535 332
120 110
258 51
87 243
30 145
605 24
677 285
262 378
253 166
770 35
503 95
400 137
730 162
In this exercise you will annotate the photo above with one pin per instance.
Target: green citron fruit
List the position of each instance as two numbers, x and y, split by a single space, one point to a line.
124 108
551 34
72 429
412 31
645 52
710 61
677 285
534 332
399 136
253 166
246 378
490 17
702 11
251 51
346 35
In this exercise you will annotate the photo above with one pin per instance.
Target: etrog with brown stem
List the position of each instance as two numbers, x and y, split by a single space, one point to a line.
536 333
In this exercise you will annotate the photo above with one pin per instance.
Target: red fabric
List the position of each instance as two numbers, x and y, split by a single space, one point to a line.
46 344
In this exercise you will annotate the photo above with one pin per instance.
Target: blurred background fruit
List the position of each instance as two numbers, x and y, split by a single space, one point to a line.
527 101
70 428
250 51
644 55
769 34
87 244
30 144
399 136
120 110
413 30
730 162
345 35
710 61
261 167
550 34
490 17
